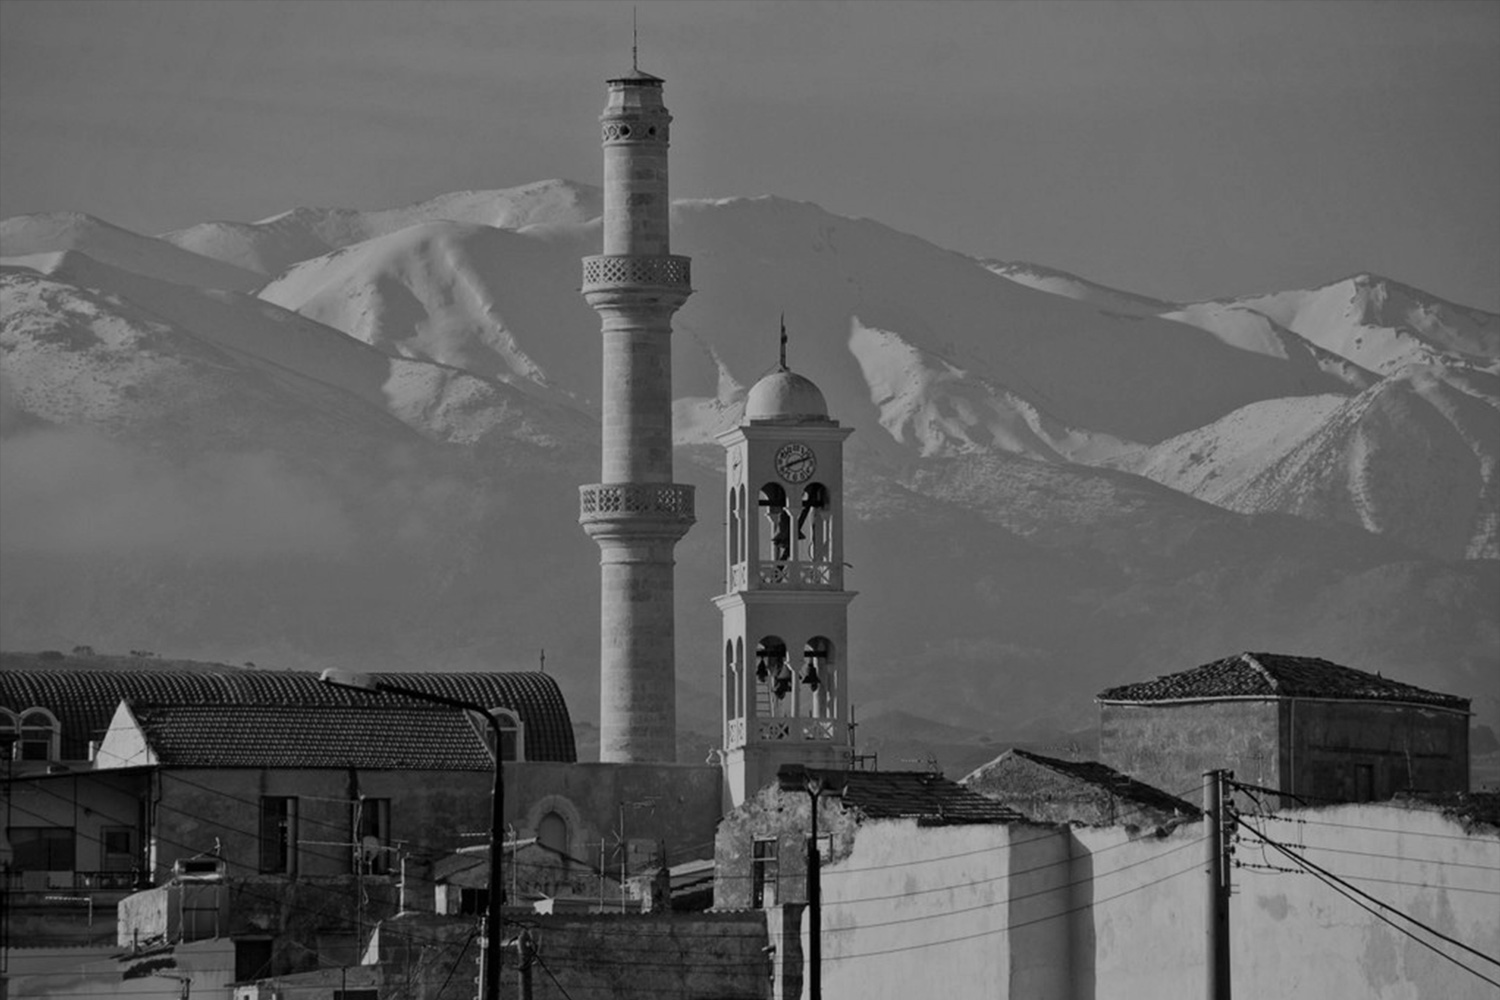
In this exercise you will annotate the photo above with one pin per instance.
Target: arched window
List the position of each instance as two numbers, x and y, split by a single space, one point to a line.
40 735
732 683
734 526
10 733
777 546
739 678
815 523
774 674
512 734
744 525
819 679
552 831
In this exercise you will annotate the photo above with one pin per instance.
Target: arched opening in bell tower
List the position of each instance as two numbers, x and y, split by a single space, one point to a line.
776 543
774 678
819 680
815 524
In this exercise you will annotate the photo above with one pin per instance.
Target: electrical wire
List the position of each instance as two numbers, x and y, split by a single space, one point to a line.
1336 882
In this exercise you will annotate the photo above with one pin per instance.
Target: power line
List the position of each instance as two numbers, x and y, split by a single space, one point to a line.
1336 882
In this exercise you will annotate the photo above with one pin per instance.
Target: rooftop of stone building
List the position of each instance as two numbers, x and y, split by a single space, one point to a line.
922 795
385 737
1276 675
83 700
1018 776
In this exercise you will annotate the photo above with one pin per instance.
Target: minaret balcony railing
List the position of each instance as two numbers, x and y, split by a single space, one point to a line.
658 501
607 270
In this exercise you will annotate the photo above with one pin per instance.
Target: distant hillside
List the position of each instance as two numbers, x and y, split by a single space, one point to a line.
343 438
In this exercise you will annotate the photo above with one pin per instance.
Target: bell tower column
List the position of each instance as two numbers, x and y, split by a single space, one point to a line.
637 514
786 663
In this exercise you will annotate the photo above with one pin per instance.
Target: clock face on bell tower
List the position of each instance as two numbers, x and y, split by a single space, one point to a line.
796 462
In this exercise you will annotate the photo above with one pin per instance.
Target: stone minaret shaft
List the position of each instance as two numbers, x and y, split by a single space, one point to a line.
637 513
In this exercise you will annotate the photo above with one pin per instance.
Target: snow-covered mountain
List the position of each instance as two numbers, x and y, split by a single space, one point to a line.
355 437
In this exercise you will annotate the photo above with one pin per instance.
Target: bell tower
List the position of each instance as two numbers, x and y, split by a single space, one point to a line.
785 609
636 514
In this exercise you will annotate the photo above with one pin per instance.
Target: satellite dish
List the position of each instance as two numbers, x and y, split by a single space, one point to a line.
369 848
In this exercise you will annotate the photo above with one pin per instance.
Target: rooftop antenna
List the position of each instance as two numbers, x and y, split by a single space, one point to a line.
783 341
635 39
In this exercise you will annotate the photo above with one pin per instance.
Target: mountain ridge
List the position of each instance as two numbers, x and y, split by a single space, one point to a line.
1046 495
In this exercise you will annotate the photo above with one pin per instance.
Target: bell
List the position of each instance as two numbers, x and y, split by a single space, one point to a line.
783 681
810 675
761 671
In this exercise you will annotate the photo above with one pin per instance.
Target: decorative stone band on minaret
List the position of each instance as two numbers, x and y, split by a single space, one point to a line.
637 514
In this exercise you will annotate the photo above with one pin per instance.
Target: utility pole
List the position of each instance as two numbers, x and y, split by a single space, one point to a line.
1217 912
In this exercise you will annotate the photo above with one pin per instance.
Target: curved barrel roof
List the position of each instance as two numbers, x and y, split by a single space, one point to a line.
84 701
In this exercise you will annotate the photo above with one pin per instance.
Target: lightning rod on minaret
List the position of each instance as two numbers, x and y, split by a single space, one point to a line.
783 340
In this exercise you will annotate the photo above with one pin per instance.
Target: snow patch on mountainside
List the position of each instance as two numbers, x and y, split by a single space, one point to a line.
1383 325
1413 458
939 409
26 235
1071 286
272 245
434 292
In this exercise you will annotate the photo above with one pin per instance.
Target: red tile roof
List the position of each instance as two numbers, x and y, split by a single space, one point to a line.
314 736
923 795
85 700
1091 773
1274 675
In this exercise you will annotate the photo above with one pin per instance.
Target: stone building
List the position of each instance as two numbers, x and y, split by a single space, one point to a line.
1306 726
760 852
1048 790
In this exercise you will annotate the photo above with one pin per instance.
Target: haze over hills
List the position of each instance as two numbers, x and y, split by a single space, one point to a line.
366 454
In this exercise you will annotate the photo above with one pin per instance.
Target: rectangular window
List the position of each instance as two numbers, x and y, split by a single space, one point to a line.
42 848
252 959
764 875
116 849
473 902
278 835
372 834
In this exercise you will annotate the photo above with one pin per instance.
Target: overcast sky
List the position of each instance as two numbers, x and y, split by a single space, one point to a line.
1178 149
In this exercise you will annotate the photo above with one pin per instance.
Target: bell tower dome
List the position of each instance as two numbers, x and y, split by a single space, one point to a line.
785 609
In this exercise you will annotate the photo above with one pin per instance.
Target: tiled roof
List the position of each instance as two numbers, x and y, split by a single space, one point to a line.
1273 675
923 795
304 736
1098 775
85 700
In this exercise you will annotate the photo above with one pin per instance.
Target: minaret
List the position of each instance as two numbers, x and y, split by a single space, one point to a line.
785 609
637 513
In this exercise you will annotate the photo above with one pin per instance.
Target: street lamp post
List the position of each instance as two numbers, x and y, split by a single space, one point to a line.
796 778
364 682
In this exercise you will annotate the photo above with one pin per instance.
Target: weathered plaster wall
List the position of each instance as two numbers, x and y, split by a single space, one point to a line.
1170 746
947 911
87 803
1138 907
1399 746
786 816
198 809
82 974
1295 937
677 805
649 956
